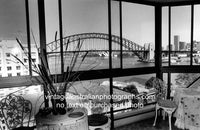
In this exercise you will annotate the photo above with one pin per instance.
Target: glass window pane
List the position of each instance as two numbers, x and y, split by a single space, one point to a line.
51 19
87 21
52 34
165 36
179 80
180 35
12 26
141 98
34 32
138 29
183 79
115 25
196 42
135 85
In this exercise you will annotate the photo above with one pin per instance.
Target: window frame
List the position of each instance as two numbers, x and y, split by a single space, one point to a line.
118 72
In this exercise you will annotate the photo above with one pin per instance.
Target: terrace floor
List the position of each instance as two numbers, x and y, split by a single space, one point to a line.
148 125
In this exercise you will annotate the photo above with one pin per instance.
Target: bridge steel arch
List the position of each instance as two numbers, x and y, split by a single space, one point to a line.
128 44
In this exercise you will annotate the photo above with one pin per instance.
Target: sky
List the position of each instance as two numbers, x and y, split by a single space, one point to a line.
82 16
181 23
92 16
12 18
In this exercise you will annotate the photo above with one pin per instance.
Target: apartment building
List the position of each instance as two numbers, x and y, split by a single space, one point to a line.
9 65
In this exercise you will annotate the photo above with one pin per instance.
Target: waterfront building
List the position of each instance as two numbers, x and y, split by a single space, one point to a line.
188 46
198 46
172 47
182 46
194 45
9 66
176 42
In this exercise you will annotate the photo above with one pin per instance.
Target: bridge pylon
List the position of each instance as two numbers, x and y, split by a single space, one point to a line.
149 54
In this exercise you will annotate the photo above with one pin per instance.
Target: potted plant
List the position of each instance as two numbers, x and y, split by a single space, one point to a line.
55 92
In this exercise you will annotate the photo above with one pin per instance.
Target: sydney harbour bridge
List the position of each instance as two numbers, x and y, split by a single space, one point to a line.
99 42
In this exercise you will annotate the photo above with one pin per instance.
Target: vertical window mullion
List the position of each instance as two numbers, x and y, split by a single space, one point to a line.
61 35
28 36
42 26
192 33
110 62
169 86
42 34
121 47
169 36
158 40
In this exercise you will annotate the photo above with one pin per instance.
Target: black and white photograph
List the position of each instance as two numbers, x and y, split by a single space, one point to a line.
99 65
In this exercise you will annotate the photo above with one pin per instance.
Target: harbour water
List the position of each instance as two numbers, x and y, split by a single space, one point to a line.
103 63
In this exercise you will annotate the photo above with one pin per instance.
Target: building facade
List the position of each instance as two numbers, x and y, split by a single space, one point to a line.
9 65
176 42
182 46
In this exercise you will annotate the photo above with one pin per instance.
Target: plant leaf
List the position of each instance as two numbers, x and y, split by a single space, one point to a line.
85 55
47 78
18 41
45 59
18 59
56 36
67 45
